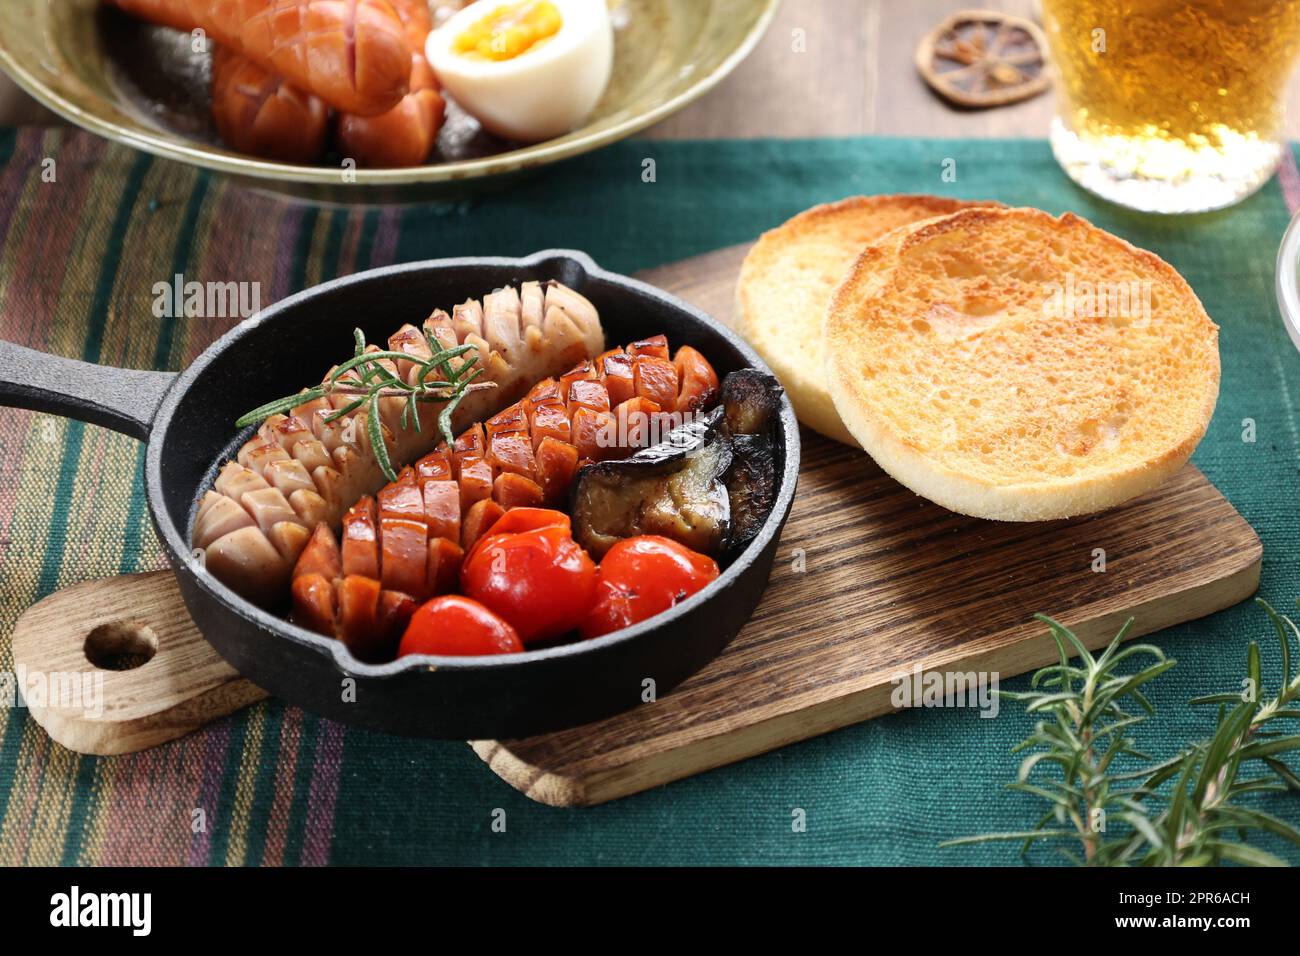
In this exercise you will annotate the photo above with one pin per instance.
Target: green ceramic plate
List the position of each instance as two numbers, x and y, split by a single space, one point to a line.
143 86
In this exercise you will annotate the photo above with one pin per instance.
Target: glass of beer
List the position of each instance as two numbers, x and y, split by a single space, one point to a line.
1171 107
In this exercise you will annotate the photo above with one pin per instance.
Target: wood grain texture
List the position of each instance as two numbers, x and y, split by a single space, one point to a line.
813 74
184 685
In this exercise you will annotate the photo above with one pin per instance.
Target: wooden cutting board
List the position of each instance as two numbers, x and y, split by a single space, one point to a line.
870 583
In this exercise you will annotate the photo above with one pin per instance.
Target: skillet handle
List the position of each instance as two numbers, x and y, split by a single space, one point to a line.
122 399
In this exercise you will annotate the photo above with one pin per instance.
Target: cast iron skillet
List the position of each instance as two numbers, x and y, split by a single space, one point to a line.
187 420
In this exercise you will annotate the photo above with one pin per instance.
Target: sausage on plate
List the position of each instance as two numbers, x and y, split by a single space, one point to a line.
405 135
259 113
353 54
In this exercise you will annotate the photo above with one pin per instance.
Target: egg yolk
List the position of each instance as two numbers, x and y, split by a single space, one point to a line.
510 31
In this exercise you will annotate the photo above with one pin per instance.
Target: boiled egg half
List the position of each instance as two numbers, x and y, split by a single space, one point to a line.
526 69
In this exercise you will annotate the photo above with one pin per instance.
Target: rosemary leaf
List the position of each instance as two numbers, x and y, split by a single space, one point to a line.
279 406
1282 638
1143 825
1271 748
347 409
444 416
1228 698
375 429
413 406
1284 772
1245 854
365 358
1021 835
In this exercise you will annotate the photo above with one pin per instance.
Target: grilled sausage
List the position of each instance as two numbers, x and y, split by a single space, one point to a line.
404 136
407 542
353 54
299 471
258 113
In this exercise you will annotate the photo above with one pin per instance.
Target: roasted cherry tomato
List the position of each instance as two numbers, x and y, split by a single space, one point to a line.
521 519
541 581
641 577
456 626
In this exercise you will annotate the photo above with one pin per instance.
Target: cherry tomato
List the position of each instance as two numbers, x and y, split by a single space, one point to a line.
540 580
644 576
456 626
521 519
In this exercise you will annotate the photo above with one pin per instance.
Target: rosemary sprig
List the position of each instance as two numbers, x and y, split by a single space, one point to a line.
365 376
1177 812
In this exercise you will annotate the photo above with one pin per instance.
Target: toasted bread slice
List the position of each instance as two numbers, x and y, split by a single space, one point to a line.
787 280
1010 365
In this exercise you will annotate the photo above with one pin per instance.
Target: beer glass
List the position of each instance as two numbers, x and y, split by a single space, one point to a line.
1171 107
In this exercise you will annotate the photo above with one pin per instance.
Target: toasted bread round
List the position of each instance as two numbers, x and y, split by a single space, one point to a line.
1010 365
787 280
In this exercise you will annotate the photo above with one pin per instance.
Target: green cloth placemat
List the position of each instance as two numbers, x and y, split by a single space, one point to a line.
78 264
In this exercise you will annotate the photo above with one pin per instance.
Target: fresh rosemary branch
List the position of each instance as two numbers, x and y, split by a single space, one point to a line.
1182 811
365 376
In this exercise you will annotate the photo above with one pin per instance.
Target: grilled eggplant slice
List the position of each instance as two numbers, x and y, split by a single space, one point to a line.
751 401
710 484
751 486
674 489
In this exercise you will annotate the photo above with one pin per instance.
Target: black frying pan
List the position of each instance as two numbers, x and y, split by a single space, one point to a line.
187 420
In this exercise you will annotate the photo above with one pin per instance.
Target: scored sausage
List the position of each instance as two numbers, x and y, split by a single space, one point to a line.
405 135
353 54
406 544
259 113
299 470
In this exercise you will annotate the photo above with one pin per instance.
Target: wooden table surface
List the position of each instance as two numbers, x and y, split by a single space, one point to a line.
855 77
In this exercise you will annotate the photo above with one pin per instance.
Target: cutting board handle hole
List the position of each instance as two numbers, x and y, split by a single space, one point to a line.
121 645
